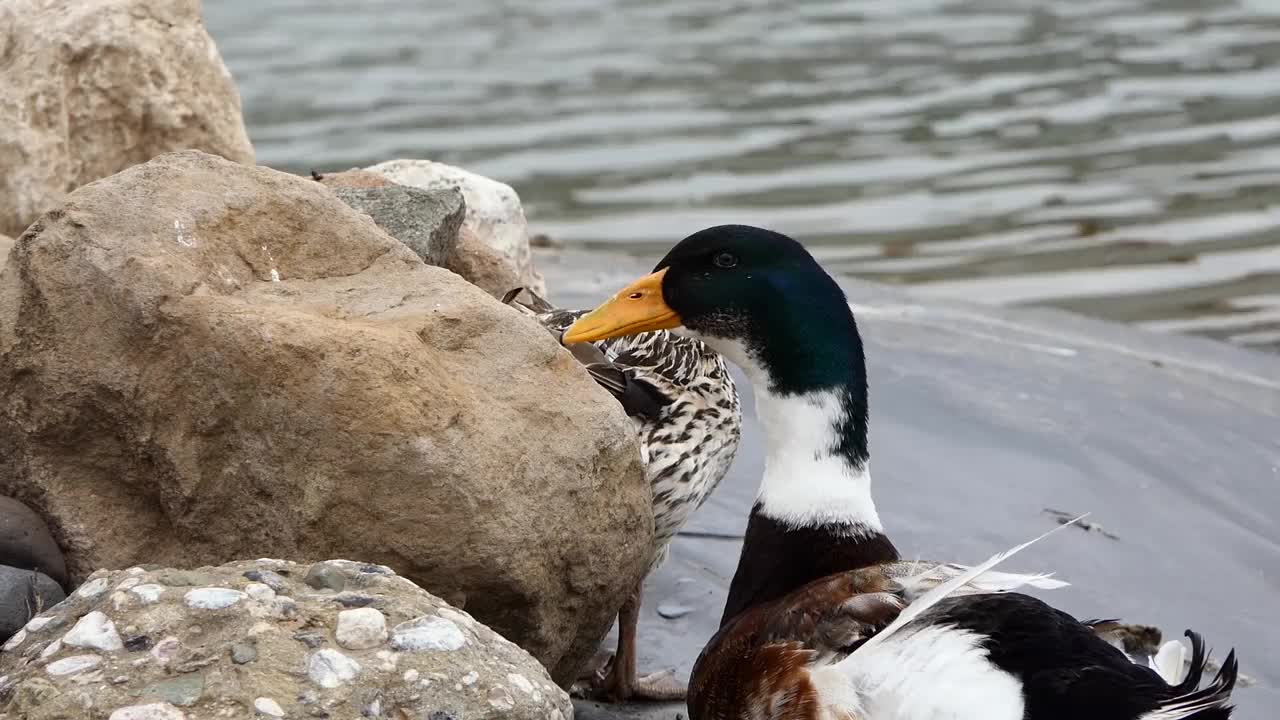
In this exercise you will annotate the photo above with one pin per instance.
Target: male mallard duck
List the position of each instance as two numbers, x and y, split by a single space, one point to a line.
793 639
685 407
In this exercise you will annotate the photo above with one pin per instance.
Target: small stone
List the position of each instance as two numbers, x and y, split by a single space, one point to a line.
137 643
128 582
470 678
152 711
119 679
322 577
671 612
267 707
330 668
271 579
361 629
441 715
37 623
311 640
213 598
410 676
119 601
353 600
13 642
376 570
72 665
520 682
428 632
166 650
149 593
260 592
243 653
51 649
95 631
183 690
93 588
177 578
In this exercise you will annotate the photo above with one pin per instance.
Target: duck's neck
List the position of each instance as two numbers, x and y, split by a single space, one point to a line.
814 515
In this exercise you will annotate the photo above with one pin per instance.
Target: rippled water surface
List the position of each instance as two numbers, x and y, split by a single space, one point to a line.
1115 157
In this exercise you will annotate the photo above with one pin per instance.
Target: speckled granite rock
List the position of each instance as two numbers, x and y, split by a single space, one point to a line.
253 638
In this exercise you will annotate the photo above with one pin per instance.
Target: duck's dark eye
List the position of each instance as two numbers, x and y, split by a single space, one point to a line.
725 260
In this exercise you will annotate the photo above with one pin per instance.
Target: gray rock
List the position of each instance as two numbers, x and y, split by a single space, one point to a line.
25 540
325 577
183 690
425 220
271 579
243 653
23 594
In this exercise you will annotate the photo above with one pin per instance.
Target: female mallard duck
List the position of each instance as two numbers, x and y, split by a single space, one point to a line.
685 409
793 638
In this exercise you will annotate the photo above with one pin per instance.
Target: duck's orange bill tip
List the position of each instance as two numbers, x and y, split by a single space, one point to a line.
636 308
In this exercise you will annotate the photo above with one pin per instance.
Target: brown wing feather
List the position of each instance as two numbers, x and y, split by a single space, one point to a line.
756 666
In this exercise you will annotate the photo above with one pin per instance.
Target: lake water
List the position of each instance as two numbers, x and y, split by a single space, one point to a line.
1115 157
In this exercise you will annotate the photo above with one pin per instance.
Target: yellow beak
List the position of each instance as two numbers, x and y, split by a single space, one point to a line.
636 308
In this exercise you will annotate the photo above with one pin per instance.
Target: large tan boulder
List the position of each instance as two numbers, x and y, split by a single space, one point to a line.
266 639
90 87
202 361
492 249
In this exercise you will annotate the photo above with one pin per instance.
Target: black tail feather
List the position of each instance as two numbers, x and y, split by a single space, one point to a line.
1198 659
1208 703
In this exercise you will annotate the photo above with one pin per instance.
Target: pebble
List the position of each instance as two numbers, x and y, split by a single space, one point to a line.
96 631
520 681
330 668
260 592
166 650
322 576
428 632
271 579
128 582
177 578
311 640
671 612
37 623
361 629
353 600
72 665
411 676
13 642
137 643
268 707
152 711
183 690
51 649
243 653
470 678
148 593
212 598
93 588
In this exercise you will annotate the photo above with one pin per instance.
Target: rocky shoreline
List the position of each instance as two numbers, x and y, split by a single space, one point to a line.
204 362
